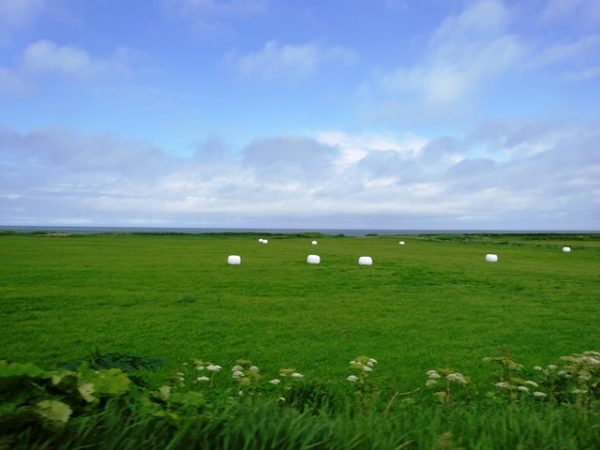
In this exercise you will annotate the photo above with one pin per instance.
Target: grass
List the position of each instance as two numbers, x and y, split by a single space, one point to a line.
267 426
433 302
133 300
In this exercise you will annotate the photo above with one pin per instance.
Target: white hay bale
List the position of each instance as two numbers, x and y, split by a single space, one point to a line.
265 241
313 259
234 260
566 249
314 242
490 257
401 242
365 261
260 240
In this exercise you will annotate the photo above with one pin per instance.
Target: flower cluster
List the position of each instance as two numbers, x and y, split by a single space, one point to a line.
288 377
245 372
363 366
523 387
199 373
444 379
206 370
290 373
579 376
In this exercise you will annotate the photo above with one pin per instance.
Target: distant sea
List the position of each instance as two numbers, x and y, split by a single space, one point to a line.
328 231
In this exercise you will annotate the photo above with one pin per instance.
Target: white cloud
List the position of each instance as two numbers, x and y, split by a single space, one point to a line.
582 10
217 6
213 15
354 147
583 48
15 14
465 52
481 18
586 74
57 175
278 60
47 57
44 58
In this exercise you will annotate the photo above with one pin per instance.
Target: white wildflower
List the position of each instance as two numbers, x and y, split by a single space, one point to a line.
237 368
562 373
214 367
352 362
238 374
430 382
531 383
275 381
200 368
369 363
367 369
552 367
352 378
539 394
503 385
297 375
537 368
578 391
253 369
203 379
433 374
373 360
457 377
523 388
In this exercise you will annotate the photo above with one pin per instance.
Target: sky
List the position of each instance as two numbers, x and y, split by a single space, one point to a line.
376 114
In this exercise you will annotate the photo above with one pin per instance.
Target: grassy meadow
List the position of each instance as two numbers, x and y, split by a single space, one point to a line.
433 302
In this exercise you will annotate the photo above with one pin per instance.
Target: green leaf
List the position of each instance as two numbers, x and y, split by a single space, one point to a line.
188 398
165 392
107 382
60 376
86 390
11 372
53 412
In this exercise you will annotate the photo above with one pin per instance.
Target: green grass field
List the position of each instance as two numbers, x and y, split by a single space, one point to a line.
431 303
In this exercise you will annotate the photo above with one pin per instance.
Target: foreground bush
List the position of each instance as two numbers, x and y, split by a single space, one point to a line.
206 406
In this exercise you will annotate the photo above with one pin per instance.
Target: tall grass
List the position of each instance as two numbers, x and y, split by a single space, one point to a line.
267 425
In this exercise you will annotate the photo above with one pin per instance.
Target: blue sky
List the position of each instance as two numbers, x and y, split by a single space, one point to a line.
304 114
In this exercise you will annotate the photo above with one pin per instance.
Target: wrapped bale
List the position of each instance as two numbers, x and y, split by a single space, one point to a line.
490 257
313 259
566 249
234 260
365 261
314 242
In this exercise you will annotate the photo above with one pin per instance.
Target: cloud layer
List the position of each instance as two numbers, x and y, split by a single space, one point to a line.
75 178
